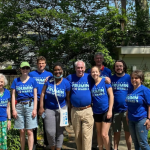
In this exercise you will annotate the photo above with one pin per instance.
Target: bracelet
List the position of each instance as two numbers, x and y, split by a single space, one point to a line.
9 119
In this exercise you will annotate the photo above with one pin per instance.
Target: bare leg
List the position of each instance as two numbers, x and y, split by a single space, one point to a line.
99 135
105 137
58 148
22 138
128 140
116 140
30 138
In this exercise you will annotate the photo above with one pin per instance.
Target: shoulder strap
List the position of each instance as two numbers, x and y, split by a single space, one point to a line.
56 93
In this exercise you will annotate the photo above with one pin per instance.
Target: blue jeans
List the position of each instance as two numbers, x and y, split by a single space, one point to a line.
24 117
139 134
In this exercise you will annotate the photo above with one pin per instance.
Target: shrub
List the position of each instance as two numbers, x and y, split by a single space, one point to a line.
13 138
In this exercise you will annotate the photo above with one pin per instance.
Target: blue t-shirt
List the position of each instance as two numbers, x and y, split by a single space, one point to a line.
3 105
121 87
80 90
138 101
105 72
24 90
100 97
40 78
62 88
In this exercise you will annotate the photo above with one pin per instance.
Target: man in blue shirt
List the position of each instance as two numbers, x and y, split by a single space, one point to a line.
40 75
121 84
81 112
99 59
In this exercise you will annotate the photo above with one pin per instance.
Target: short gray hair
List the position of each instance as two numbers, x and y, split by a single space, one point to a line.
79 61
99 53
5 80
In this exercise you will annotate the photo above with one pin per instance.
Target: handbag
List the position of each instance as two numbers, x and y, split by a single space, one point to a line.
63 112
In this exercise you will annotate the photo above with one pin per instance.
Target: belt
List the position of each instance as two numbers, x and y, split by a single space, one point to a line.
82 108
24 102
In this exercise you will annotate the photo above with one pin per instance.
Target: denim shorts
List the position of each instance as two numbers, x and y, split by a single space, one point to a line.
24 117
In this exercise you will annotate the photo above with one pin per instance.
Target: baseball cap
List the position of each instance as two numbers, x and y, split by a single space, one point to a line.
24 64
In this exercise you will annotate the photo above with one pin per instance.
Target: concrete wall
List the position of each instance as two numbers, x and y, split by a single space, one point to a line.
136 57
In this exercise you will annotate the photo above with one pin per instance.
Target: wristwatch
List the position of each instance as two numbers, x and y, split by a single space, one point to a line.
9 119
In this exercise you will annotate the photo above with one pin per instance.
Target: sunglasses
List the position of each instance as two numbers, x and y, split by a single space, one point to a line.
27 68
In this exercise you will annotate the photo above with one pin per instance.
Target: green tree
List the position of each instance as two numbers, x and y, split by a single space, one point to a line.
60 30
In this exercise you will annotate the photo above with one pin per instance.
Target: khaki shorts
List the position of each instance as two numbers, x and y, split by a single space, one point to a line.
120 118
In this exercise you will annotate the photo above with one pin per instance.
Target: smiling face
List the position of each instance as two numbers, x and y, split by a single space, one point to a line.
58 71
135 80
41 65
119 68
80 69
2 83
98 60
95 73
25 70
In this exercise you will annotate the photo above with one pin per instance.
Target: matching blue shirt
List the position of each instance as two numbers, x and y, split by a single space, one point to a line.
105 72
3 105
62 88
40 78
80 90
138 101
24 90
121 87
100 97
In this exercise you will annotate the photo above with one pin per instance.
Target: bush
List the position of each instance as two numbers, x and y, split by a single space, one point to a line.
147 83
13 138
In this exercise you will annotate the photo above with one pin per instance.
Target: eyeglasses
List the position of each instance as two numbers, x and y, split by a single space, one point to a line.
27 68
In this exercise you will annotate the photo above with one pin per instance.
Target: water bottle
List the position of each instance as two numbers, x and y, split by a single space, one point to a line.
43 115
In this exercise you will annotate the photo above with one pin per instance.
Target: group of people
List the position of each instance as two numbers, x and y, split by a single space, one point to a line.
97 102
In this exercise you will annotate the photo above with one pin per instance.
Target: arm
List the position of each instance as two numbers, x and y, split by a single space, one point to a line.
14 112
111 102
41 110
147 122
34 112
9 116
69 104
107 80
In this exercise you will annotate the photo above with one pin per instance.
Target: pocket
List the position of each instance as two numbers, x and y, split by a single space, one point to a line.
18 106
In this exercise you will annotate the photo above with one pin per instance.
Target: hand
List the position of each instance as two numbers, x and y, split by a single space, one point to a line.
109 114
46 79
14 114
34 112
41 110
147 124
107 80
8 124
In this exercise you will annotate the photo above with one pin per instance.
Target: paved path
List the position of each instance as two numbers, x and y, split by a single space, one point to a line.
69 142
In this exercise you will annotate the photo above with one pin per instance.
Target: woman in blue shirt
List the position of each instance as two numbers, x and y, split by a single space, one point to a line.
25 107
138 114
52 114
102 96
4 112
